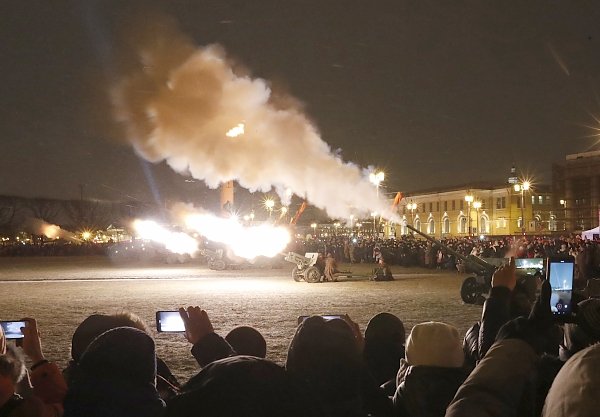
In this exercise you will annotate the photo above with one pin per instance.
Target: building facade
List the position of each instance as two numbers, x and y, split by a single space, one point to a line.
483 210
576 184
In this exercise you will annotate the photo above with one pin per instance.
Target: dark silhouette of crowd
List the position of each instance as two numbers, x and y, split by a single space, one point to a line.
51 248
406 251
516 361
409 251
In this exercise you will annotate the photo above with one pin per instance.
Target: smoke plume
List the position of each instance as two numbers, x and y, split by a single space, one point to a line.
51 231
189 107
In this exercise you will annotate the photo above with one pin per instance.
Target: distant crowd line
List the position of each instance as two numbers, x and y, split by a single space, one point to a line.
416 252
406 251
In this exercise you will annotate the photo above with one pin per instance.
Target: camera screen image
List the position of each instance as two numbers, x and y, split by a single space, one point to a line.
12 329
169 321
529 263
561 281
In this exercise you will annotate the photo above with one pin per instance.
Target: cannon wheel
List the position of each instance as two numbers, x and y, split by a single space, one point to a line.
312 274
217 264
470 290
296 274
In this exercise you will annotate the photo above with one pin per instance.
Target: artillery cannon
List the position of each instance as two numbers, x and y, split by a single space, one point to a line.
305 268
215 259
475 288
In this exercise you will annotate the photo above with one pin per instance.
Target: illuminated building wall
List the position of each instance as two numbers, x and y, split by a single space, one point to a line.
576 185
445 213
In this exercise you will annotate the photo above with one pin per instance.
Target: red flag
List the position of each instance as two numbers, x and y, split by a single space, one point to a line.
299 213
397 199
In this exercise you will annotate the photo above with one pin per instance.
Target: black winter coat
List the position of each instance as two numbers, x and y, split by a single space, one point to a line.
426 391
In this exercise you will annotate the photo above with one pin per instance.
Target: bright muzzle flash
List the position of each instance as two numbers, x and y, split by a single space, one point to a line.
246 242
176 242
235 131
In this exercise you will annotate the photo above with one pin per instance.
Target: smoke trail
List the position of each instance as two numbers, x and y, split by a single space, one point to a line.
51 231
182 103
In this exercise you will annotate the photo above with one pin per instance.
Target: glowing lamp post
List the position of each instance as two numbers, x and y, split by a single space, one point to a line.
377 179
563 203
469 199
522 187
284 211
269 204
351 222
374 214
412 207
477 206
314 227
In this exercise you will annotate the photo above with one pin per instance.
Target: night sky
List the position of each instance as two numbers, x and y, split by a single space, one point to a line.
435 93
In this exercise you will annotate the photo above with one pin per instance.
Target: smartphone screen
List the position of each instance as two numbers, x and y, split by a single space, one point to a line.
12 329
169 321
560 273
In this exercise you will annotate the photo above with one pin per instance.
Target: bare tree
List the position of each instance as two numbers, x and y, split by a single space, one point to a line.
87 214
10 207
44 209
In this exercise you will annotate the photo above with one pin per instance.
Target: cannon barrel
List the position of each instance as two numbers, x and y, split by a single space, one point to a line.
478 263
296 258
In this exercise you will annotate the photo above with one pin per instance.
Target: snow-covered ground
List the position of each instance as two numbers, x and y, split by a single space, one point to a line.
61 292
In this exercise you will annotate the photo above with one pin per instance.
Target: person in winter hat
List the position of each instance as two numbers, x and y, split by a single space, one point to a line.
432 372
116 376
574 391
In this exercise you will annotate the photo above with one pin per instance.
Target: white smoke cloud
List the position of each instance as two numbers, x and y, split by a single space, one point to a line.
51 231
181 103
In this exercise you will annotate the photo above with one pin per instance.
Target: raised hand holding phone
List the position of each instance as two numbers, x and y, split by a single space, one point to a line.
32 343
560 272
505 276
197 323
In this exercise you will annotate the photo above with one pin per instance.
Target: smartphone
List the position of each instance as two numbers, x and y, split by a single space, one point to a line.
325 316
560 272
12 329
169 321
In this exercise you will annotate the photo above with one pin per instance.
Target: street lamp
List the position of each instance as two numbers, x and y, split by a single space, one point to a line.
314 227
522 187
412 207
477 206
351 221
469 199
374 214
284 211
336 225
377 178
269 204
563 203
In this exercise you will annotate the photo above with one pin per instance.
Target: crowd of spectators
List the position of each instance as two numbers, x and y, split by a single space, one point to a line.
516 361
52 248
409 251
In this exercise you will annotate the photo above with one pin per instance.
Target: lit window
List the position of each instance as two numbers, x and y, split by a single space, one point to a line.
431 227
